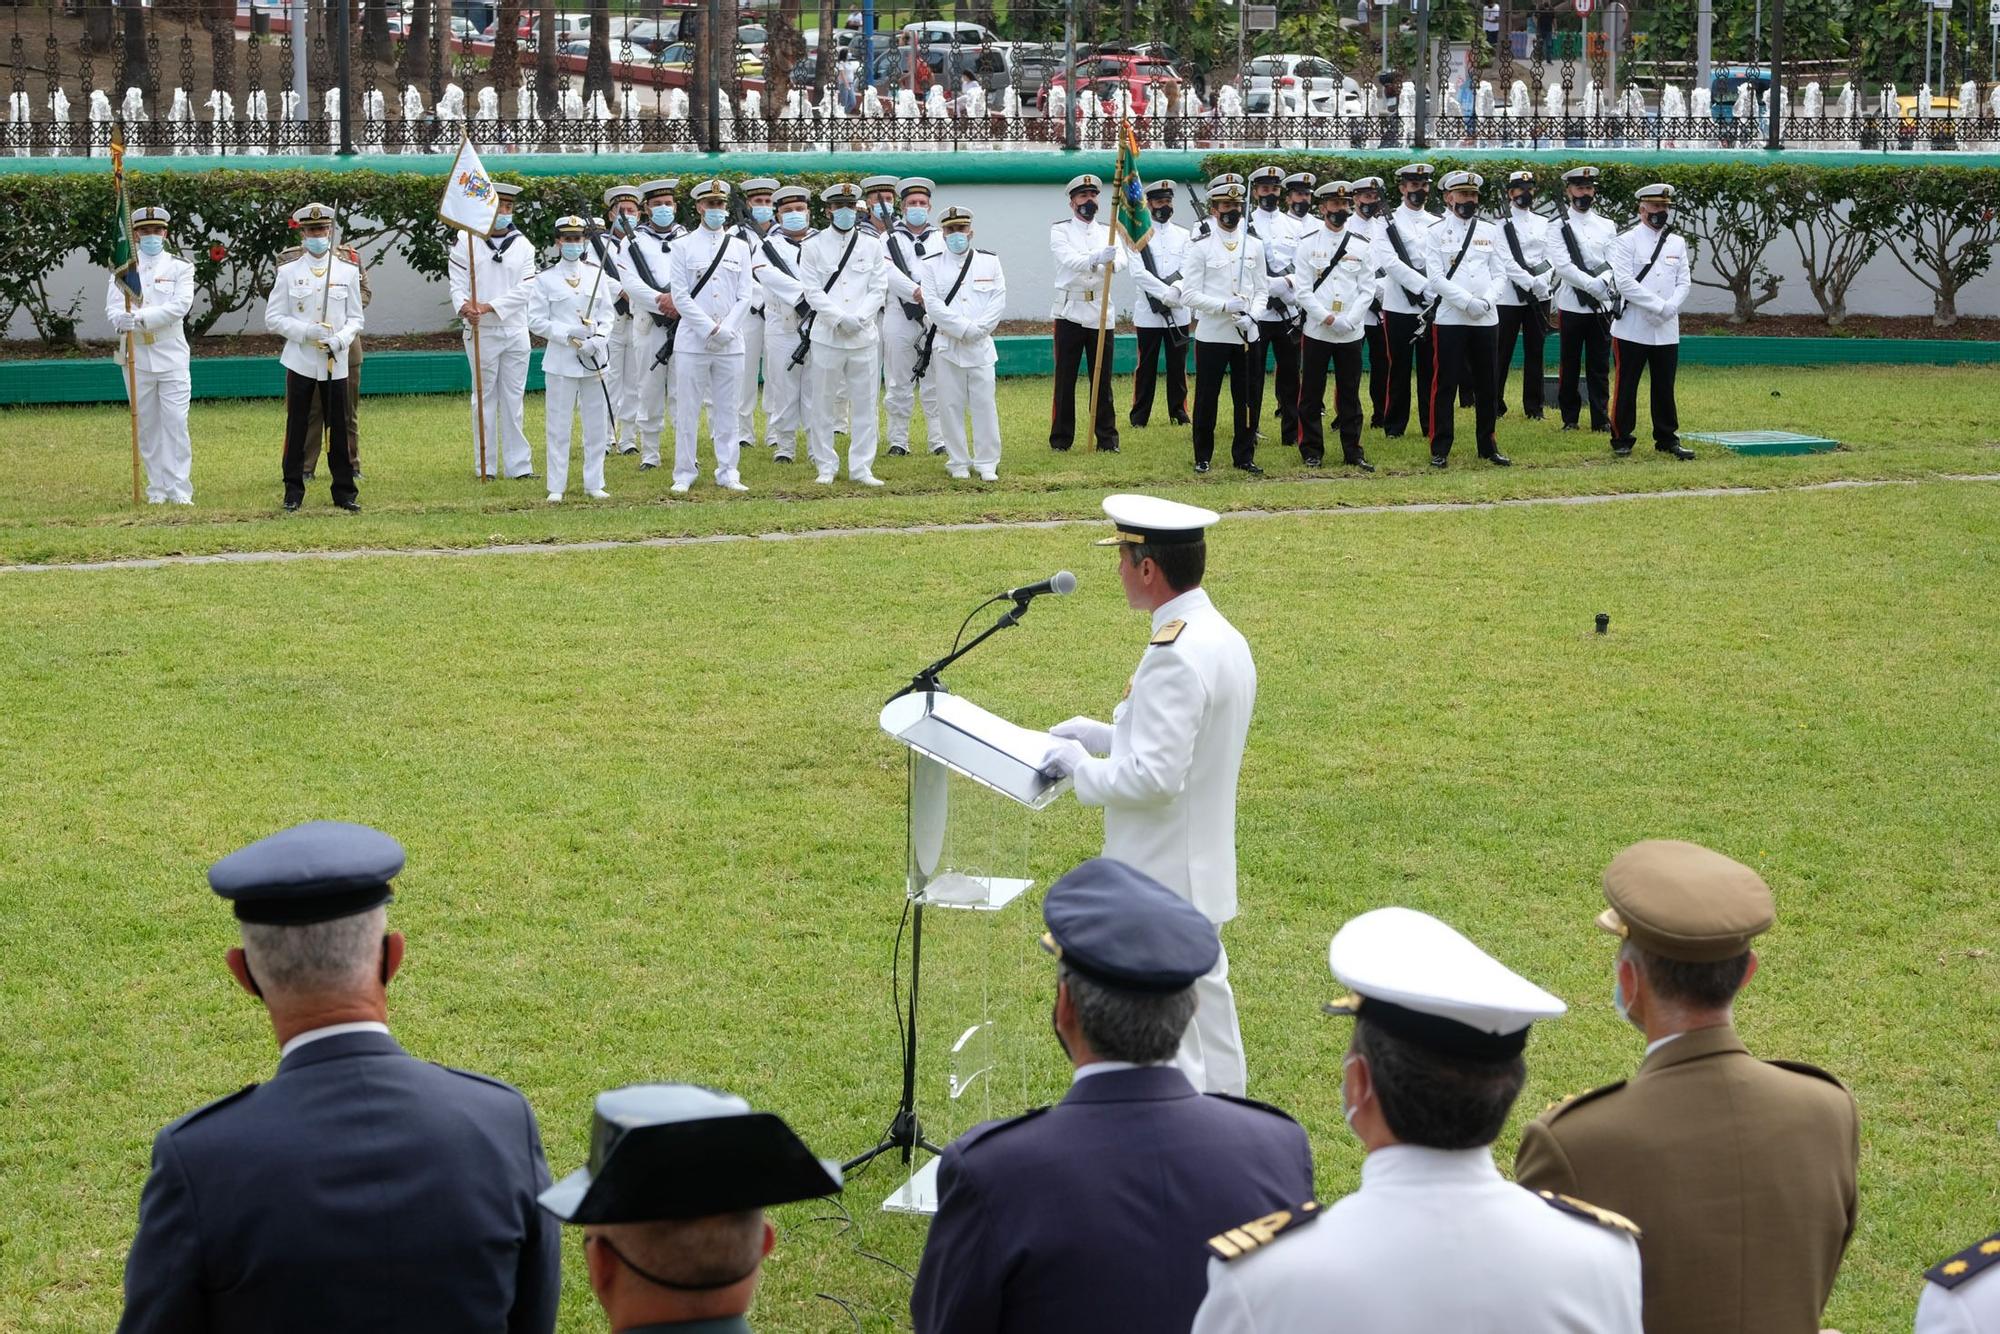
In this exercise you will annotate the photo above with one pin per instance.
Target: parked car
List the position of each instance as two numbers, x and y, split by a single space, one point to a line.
1725 85
753 37
653 36
1140 76
681 55
989 65
1034 64
890 71
1316 79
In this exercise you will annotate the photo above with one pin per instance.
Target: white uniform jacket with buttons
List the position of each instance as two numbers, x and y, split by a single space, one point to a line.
298 294
1435 1240
965 326
1413 225
1168 787
1653 307
558 300
656 249
856 295
1168 247
1470 293
712 319
166 294
1219 266
1531 233
780 294
1080 283
1334 296
503 266
1594 234
1281 233
914 249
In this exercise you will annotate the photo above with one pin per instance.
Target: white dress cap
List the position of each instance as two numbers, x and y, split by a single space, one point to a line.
1149 519
1413 962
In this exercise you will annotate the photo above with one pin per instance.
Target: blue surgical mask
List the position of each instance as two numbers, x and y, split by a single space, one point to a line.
713 218
916 215
1618 1004
501 222
572 250
956 242
318 245
761 214
795 221
625 222
843 219
662 216
883 209
152 245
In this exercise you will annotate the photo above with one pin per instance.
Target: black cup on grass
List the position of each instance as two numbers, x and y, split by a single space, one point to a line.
1603 622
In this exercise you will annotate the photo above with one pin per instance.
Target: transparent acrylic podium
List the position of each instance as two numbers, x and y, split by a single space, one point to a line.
978 985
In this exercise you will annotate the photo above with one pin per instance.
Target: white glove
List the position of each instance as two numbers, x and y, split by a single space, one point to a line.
1064 757
1103 257
598 348
125 321
576 333
1346 326
1236 305
1600 289
1095 736
1541 288
847 324
1247 327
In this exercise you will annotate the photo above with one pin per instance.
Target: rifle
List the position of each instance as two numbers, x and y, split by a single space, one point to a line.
1177 334
1200 210
593 232
911 310
930 334
1274 305
1429 312
1617 306
805 307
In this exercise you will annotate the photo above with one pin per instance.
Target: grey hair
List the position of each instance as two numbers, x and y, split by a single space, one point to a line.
1120 1025
319 959
693 1252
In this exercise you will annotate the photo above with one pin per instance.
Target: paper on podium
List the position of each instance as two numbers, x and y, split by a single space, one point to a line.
974 742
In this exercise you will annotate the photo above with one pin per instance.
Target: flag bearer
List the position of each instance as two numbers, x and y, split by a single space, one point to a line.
153 316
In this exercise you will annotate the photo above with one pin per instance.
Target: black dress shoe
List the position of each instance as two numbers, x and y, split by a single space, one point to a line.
357 474
291 505
1250 468
1570 426
1060 449
1678 450
1621 451
1181 420
899 451
647 467
1201 467
351 506
1497 459
1135 421
1392 435
1315 463
1500 411
1108 449
1361 461
1440 461
1534 416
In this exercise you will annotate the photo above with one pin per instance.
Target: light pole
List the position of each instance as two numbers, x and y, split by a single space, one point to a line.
1069 74
1423 71
343 61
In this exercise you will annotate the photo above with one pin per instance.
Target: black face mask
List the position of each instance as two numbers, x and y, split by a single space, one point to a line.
1466 208
1299 207
1163 213
1087 211
1229 218
1583 203
1369 207
1658 221
1337 218
1524 199
1269 203
1415 198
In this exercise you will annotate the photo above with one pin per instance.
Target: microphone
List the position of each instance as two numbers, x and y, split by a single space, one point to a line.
1060 582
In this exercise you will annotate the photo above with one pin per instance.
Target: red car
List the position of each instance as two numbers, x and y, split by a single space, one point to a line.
1142 76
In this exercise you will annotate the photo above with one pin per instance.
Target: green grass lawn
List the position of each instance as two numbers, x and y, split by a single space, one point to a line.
65 476
655 834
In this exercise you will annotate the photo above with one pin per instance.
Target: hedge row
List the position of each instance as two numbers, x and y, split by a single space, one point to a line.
1941 223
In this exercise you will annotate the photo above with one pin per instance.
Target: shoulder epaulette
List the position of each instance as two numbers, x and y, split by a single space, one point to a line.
1244 1238
982 250
1564 1106
1583 1209
206 1108
1169 632
1974 1259
986 1130
1802 1068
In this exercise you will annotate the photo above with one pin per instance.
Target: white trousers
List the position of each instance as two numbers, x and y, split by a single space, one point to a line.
1211 1051
164 447
962 390
502 369
900 340
854 370
655 404
784 391
705 377
746 392
624 372
567 396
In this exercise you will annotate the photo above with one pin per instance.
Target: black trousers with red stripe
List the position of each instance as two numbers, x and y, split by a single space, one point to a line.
1317 356
1378 368
1584 338
1398 330
1525 323
1628 362
1153 344
1076 349
1212 361
1461 350
1276 341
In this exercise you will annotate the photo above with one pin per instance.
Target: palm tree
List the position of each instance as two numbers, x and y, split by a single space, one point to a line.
506 48
545 58
375 30
416 66
827 52
597 70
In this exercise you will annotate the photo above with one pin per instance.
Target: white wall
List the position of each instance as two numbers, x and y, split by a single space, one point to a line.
1013 221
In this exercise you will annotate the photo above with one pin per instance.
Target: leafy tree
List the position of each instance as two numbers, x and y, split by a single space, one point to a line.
1942 228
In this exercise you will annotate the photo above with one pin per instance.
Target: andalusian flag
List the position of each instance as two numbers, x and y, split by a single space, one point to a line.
123 267
1129 191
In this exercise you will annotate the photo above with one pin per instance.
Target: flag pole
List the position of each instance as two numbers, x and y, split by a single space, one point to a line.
125 289
132 396
478 365
1104 301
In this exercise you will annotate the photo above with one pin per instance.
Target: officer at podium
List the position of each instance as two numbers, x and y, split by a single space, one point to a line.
1172 751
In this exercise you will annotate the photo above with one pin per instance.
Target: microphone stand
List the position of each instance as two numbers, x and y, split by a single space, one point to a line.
927 680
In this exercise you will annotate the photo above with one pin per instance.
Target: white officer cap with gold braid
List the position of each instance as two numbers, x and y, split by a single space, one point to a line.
1155 522
1087 181
313 213
713 188
958 215
151 213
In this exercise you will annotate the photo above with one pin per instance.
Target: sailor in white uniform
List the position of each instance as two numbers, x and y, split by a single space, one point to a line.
626 370
709 275
1172 752
149 322
499 268
569 307
964 294
1435 1239
1649 265
763 213
844 274
775 266
643 266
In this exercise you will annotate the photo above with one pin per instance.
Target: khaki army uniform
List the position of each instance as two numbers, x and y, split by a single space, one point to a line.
313 432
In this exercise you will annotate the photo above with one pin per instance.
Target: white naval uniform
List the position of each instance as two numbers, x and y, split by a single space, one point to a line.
1079 283
844 358
1336 311
1213 272
652 248
708 353
784 383
160 377
1470 295
1399 279
1972 1307
300 291
1594 234
503 269
963 357
1281 234
625 363
1652 308
754 374
901 335
1168 248
1168 789
559 307
1435 1240
1531 229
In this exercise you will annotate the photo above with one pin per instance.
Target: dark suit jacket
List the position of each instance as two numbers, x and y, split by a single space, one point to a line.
1741 1173
1092 1215
360 1189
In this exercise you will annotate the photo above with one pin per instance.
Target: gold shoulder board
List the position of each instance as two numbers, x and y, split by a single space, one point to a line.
1968 1262
1169 632
1244 1238
1571 1205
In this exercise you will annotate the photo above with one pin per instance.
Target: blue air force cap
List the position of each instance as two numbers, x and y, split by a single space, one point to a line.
309 873
1119 926
668 1151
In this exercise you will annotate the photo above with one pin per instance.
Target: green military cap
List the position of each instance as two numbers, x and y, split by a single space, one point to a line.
1682 901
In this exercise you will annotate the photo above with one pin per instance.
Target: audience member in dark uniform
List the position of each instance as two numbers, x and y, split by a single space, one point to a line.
361 1188
1093 1215
672 1205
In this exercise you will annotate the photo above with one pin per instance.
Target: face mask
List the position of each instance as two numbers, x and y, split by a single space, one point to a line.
1658 220
1337 219
761 214
318 245
916 215
1465 208
663 215
1618 1004
1269 203
713 218
1524 199
956 242
794 221
843 219
1583 203
1414 198
1299 207
572 250
152 245
1229 217
1163 213
626 223
1369 207
1087 210
882 209
501 222
1347 1111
